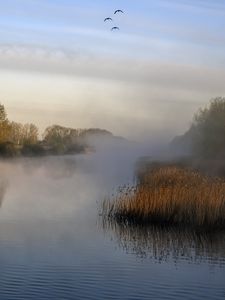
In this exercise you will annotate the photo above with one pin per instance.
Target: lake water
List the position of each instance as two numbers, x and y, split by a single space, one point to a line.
53 244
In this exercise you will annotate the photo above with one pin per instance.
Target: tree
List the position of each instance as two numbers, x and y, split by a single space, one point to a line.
4 125
206 136
57 137
3 115
23 134
16 133
30 134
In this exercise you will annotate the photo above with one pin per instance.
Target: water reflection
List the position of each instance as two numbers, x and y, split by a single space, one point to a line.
60 168
3 188
50 247
168 244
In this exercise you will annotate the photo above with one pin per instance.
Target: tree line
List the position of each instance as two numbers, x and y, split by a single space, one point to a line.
205 138
204 142
23 139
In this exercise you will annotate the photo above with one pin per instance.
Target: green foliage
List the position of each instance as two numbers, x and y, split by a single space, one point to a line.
69 140
22 139
58 136
14 136
8 149
208 130
205 139
32 150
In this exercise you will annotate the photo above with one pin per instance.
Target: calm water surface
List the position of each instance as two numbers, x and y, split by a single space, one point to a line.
53 244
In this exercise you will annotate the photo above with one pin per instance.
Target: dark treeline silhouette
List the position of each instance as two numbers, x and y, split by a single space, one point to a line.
204 142
205 137
173 191
18 139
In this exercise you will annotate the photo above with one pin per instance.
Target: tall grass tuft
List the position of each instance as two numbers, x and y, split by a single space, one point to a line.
170 195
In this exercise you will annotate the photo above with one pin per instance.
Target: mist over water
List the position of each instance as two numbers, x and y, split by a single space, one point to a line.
53 244
61 64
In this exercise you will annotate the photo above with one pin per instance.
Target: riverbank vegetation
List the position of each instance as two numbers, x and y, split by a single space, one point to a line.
188 191
18 139
205 137
171 196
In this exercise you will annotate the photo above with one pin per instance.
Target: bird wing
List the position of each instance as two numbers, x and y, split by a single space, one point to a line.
108 19
118 10
114 28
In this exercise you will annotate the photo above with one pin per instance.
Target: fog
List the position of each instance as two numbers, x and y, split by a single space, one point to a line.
49 186
137 99
138 88
51 236
143 83
53 203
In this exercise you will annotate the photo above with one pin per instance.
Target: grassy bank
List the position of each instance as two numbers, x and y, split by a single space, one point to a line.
170 195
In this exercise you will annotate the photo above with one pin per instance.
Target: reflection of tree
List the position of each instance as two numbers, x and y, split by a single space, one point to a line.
168 244
3 188
59 168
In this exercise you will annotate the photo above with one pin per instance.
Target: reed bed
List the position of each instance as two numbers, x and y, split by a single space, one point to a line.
170 195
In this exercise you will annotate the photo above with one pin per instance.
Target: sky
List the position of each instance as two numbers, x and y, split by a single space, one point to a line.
61 64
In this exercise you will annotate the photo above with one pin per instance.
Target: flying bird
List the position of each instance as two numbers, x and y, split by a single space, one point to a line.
118 11
108 19
115 28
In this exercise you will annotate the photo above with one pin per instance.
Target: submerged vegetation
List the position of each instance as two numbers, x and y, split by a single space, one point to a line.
171 196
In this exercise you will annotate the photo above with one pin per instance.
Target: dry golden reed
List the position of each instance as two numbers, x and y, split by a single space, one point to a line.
170 195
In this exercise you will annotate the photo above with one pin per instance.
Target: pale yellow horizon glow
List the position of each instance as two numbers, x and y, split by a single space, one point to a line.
136 99
61 64
137 111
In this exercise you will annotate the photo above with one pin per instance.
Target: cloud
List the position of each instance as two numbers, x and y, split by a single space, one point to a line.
141 72
131 97
146 80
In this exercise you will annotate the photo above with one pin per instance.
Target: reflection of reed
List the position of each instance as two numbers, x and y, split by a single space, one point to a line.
3 188
167 243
